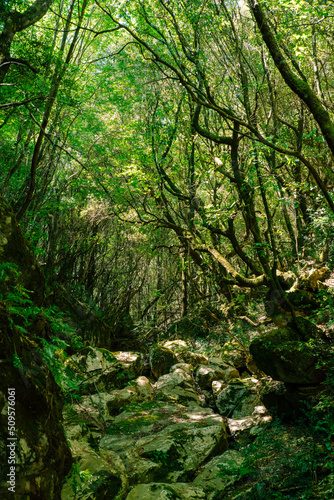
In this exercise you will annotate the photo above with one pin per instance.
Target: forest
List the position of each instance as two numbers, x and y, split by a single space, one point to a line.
167 249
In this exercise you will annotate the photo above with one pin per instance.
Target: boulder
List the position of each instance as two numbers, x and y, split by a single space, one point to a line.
206 374
101 406
193 358
177 386
131 361
101 370
185 367
238 399
153 491
161 360
96 475
234 355
181 349
219 473
282 354
249 426
218 386
286 278
140 391
164 442
310 278
176 345
182 447
231 373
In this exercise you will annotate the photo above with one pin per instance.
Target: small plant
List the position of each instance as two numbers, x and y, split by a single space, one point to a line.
17 362
78 480
8 270
159 457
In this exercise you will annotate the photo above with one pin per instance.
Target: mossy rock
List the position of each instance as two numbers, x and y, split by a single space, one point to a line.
233 354
283 356
307 329
161 360
153 491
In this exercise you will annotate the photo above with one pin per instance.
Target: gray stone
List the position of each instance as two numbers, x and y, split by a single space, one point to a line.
160 442
238 399
283 355
219 473
161 360
206 374
104 475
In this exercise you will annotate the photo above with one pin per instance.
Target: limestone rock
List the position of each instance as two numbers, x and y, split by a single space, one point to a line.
282 355
186 367
238 399
189 491
159 441
176 345
193 358
105 476
231 373
162 491
177 385
221 367
249 426
140 391
100 370
132 361
206 374
219 473
101 406
153 491
233 354
286 278
309 278
181 349
183 447
161 360
218 386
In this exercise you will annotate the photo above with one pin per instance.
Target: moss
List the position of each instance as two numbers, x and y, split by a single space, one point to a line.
168 458
108 486
133 424
144 407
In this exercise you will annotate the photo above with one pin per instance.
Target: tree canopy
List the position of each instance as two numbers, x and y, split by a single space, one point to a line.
160 154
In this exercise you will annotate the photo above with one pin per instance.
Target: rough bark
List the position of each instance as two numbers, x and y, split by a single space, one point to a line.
14 22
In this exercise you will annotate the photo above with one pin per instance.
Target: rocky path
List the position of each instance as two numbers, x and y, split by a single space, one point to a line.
146 437
184 426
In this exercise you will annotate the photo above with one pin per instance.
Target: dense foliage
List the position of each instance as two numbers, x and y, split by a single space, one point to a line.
161 155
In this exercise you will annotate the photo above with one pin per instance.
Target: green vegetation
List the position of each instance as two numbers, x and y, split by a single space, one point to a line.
157 165
171 165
